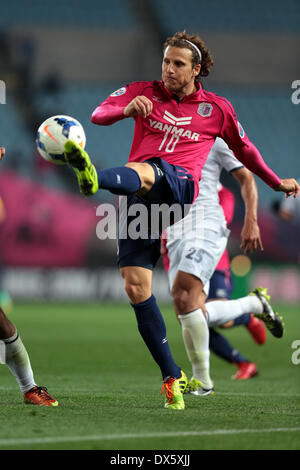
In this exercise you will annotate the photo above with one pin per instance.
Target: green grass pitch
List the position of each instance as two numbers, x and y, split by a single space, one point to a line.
92 359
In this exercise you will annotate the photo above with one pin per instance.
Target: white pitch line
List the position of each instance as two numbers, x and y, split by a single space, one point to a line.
105 437
95 391
259 394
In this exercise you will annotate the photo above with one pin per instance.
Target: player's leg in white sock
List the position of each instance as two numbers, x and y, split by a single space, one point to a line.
189 298
195 334
18 362
15 354
220 312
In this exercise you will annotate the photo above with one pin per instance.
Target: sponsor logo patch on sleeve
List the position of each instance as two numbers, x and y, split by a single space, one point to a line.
119 92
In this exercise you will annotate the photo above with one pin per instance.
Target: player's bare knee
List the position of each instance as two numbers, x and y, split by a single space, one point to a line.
187 300
146 174
7 329
133 291
137 283
3 318
136 291
181 300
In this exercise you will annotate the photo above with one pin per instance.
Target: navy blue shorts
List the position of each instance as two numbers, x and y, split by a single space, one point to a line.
173 185
221 285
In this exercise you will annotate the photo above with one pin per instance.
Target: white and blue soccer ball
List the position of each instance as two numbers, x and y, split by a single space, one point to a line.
54 132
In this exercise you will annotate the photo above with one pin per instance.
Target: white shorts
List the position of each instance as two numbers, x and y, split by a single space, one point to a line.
198 256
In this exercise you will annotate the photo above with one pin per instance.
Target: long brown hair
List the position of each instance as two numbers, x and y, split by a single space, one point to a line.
179 40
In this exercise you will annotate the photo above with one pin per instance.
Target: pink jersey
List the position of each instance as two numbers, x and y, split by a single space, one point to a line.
182 133
164 253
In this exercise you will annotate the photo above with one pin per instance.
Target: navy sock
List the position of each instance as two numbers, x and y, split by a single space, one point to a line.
152 328
242 320
119 180
222 348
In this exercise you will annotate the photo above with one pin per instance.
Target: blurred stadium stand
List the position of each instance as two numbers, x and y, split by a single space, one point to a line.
114 14
16 138
233 15
68 56
65 57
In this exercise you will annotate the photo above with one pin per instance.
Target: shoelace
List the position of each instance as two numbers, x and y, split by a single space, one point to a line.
43 391
167 386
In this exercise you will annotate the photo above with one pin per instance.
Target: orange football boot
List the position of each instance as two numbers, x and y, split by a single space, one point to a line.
257 330
245 371
39 396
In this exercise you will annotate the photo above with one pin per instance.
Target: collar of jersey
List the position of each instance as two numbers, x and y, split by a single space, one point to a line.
193 96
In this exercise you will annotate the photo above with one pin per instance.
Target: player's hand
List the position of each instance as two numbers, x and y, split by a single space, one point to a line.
2 152
251 240
289 187
139 106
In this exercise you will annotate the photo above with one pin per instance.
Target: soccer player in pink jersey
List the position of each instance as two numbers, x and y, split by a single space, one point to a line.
13 353
176 124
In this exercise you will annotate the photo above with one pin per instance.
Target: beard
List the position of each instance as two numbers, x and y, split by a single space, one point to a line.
174 86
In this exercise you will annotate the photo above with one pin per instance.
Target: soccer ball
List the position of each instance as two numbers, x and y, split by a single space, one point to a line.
52 135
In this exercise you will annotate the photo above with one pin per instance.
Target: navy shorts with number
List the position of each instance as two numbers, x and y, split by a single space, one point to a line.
221 285
173 184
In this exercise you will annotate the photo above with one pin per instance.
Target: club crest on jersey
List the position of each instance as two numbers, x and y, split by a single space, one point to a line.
119 92
241 130
205 109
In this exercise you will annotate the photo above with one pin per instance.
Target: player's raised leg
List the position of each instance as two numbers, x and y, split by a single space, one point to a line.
258 302
272 320
254 326
124 180
85 171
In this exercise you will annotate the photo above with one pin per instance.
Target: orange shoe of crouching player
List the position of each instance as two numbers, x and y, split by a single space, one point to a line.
39 396
246 370
257 330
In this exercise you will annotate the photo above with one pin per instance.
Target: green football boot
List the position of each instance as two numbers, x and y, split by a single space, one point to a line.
81 163
174 389
196 387
273 322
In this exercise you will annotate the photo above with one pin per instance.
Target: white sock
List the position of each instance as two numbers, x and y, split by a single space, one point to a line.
220 311
17 360
195 334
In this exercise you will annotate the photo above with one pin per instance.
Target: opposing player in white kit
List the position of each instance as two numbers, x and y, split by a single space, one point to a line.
195 245
13 353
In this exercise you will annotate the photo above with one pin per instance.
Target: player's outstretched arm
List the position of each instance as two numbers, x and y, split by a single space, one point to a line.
2 152
245 151
126 102
288 186
250 234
